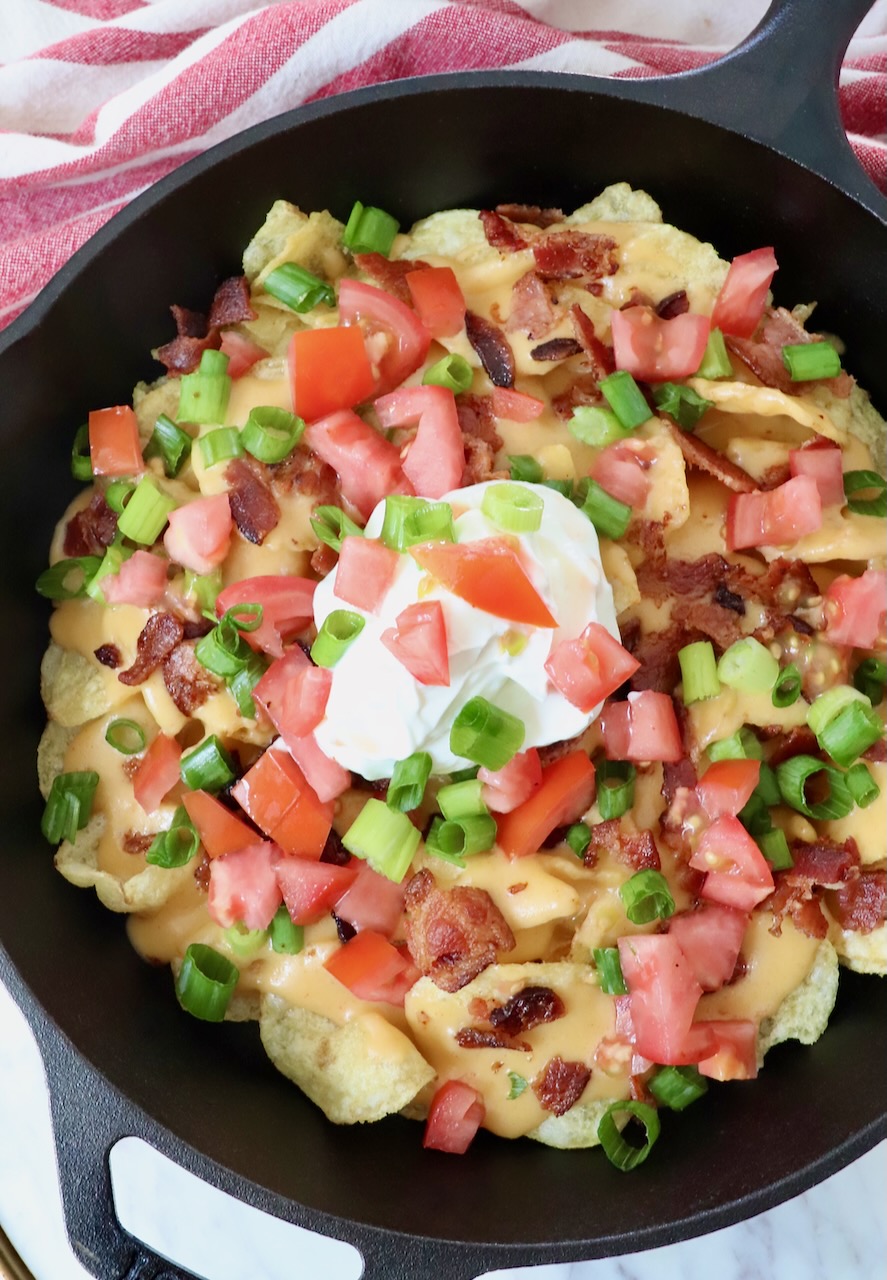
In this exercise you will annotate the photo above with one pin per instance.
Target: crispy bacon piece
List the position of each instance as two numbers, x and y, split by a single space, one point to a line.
823 862
561 1085
728 599
301 471
108 655
476 419
253 506
530 213
556 349
389 275
528 1009
492 349
231 303
570 255
479 459
799 741
600 357
877 752
583 390
636 849
657 652
157 639
334 851
715 623
676 304
801 901
674 775
136 842
478 1038
501 233
195 333
703 457
762 354
532 311
661 578
187 681
860 905
91 530
452 934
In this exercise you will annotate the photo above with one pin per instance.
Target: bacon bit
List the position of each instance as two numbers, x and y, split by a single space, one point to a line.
674 775
323 560
532 311
584 390
823 862
676 304
799 741
518 888
877 752
703 457
600 357
157 639
529 1008
660 578
762 354
491 346
334 851
136 842
569 255
501 233
713 622
476 1038
388 275
476 418
231 303
556 349
196 628
479 458
302 471
202 873
253 506
636 850
452 934
728 599
530 213
613 1055
91 530
860 905
657 652
345 930
800 901
108 655
196 334
187 681
561 1085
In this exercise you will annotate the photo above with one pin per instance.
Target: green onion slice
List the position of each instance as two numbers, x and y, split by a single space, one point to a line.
169 442
748 666
146 513
242 683
118 494
446 840
81 462
518 1085
208 767
677 1087
870 678
332 525
205 983
626 399
297 288
485 734
408 781
125 736
525 468
287 939
178 845
609 516
220 445
578 838
787 688
68 579
615 787
618 1150
69 805
596 426
607 963
409 521
370 230
338 630
768 786
222 650
793 776
513 507
862 785
384 838
112 560
755 816
563 487
699 671
646 896
245 943
853 730
270 434
716 361
203 396
684 404
452 371
807 361
741 745
774 847
461 799
862 482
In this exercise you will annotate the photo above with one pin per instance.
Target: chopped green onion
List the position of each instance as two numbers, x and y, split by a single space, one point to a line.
626 399
118 494
606 961
787 688
245 617
862 785
408 781
677 1087
518 1085
768 787
615 787
595 425
146 513
563 487
684 404
774 847
748 666
203 588
461 799
242 683
870 678
297 288
270 434
525 468
716 361
578 837
370 230
828 704
458 838
213 363
755 816
409 521
608 515
384 838
220 445
486 735
807 361
452 371
125 736
646 896
741 745
623 1154
69 805
699 671
793 776
169 442
222 650
513 507
462 775
208 767
203 396
81 461
332 525
860 481
287 939
68 579
245 943
112 560
205 983
849 733
338 630
177 846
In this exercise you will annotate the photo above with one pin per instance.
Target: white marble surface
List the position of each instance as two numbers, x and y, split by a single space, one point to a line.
837 1231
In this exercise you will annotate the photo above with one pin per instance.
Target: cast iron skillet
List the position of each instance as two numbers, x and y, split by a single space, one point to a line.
746 153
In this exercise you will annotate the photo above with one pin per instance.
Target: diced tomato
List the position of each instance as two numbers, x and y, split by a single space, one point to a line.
418 640
241 351
622 469
158 772
325 776
219 830
654 349
726 786
625 1034
140 580
456 1113
642 728
293 694
199 533
438 300
114 447
738 873
271 691
778 517
287 607
855 609
487 574
365 571
664 995
378 312
372 902
735 1057
710 936
591 667
516 406
370 967
310 888
243 887
740 304
566 791
276 795
329 370
821 459
435 460
368 465
504 789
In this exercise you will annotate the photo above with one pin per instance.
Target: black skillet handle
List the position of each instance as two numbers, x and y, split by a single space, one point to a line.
780 87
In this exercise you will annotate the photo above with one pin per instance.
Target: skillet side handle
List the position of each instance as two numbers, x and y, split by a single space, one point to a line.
388 1257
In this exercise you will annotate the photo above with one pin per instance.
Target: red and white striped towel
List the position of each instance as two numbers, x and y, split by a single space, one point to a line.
100 98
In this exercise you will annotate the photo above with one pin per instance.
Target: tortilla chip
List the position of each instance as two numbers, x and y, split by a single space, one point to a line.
73 689
313 240
804 1013
618 203
454 233
575 1129
146 890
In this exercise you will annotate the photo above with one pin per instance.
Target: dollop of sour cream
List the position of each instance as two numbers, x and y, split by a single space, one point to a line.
378 713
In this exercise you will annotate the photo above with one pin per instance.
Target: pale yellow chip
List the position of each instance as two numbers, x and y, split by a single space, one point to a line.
151 399
146 890
288 235
618 203
861 952
54 742
455 233
804 1013
575 1129
73 689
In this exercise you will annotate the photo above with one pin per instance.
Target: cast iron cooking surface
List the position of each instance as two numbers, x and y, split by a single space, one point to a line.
464 141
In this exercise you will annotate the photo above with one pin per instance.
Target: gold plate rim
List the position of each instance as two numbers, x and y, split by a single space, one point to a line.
11 1265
